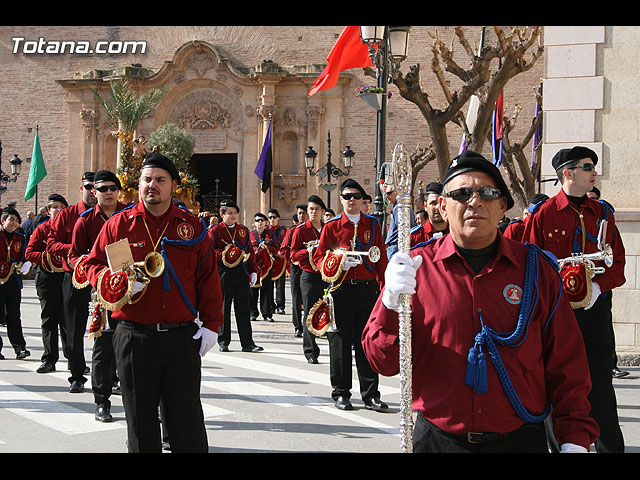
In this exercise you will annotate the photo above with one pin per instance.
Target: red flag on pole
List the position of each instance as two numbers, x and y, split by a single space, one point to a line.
348 52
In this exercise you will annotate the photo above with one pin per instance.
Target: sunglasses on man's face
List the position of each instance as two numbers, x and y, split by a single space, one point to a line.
271 217
106 188
88 186
354 195
587 167
464 194
259 220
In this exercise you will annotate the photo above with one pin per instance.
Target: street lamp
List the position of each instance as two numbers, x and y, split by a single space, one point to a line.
329 169
387 49
15 165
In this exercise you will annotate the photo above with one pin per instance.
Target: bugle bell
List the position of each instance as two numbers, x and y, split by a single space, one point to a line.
151 267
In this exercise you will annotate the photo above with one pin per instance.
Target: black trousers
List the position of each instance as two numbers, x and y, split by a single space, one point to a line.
49 290
597 332
353 305
235 290
312 288
263 296
296 297
103 365
76 314
11 296
161 365
427 438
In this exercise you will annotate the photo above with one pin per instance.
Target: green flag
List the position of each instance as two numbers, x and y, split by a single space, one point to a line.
37 171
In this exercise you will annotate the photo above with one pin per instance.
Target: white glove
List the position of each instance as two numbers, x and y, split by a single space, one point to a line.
25 267
399 278
572 448
209 339
350 262
138 287
253 278
595 293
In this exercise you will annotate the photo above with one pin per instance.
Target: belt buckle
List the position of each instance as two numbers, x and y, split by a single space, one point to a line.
474 437
160 329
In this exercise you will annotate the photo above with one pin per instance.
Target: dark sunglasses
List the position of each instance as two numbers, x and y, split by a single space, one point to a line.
587 167
464 194
106 188
259 220
87 186
349 196
272 216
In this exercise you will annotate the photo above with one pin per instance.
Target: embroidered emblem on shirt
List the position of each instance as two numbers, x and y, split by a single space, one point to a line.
512 294
367 236
185 231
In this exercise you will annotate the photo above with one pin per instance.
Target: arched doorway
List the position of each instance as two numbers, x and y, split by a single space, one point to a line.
217 174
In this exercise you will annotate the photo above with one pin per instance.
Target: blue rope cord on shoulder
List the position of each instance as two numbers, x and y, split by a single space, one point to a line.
476 374
169 271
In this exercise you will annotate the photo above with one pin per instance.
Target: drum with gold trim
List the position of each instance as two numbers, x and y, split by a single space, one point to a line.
576 282
6 270
321 317
79 276
264 263
232 255
279 267
332 265
114 290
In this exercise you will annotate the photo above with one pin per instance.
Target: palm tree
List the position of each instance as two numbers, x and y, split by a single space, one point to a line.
128 111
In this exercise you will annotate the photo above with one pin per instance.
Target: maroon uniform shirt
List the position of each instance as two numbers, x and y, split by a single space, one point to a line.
549 365
61 232
424 233
303 233
338 233
86 231
38 244
223 235
515 230
556 225
194 265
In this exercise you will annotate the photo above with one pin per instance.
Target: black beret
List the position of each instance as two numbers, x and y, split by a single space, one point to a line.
596 191
230 203
434 187
88 176
106 176
537 198
158 160
6 211
260 215
318 200
273 210
367 197
56 197
470 161
567 155
351 183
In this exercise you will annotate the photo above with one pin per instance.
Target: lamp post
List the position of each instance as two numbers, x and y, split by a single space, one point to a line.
387 49
15 165
329 169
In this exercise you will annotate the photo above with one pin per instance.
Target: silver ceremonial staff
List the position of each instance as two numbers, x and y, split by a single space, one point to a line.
401 175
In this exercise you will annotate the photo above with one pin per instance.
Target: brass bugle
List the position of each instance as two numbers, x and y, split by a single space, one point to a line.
151 267
373 254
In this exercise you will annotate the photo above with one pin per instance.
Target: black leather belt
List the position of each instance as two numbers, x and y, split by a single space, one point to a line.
154 327
354 281
485 437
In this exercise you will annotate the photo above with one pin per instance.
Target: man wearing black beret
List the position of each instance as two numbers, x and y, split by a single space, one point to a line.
471 317
568 223
434 225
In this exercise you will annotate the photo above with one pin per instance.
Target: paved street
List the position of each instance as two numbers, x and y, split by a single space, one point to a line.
273 401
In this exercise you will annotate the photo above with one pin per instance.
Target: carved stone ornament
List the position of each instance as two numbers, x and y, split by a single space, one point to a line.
203 110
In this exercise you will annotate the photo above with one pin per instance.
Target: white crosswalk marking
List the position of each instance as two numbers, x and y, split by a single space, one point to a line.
56 415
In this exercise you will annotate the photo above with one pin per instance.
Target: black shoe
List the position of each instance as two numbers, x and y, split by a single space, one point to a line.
103 414
22 354
223 348
46 367
253 319
617 373
253 349
312 360
268 318
376 404
115 389
298 334
280 311
343 403
76 387
1 356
